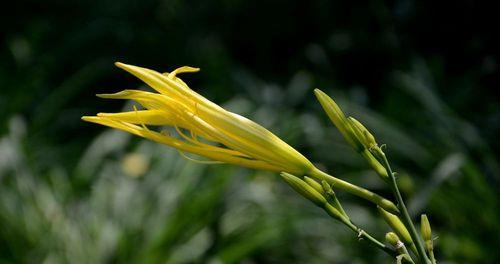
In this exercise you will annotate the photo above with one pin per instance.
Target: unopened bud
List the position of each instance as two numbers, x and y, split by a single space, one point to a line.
313 183
327 188
395 223
363 135
425 228
304 189
338 119
393 240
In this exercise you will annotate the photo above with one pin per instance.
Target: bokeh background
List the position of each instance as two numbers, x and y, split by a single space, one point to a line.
422 75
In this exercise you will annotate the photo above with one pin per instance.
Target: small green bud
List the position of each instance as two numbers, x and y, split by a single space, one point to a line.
361 133
334 212
304 189
327 188
395 223
364 136
375 163
425 228
313 183
400 247
393 239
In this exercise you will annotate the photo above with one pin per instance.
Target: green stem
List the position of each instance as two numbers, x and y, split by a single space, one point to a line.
431 255
405 215
354 189
408 259
363 234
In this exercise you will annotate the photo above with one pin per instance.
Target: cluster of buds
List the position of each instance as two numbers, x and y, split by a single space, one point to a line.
321 195
397 226
354 133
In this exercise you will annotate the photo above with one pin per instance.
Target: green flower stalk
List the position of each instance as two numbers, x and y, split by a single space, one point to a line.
316 197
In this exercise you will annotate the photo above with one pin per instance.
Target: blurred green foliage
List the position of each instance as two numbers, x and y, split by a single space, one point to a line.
421 75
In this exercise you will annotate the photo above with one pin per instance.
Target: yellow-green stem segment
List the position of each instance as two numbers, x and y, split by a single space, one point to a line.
355 190
405 215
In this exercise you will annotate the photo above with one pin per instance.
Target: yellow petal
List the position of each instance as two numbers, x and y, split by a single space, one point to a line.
147 117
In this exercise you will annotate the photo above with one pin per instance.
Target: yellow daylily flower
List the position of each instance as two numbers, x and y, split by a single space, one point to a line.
204 128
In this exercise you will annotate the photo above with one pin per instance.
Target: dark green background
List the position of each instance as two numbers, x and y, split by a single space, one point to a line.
421 75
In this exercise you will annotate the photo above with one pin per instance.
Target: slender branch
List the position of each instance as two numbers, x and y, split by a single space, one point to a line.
354 189
363 234
431 255
404 213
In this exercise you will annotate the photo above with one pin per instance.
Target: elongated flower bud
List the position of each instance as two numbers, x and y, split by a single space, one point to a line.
425 228
395 223
304 189
310 193
363 135
313 183
338 118
353 131
426 231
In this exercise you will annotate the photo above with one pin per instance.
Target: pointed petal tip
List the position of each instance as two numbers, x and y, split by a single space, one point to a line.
126 67
120 65
318 92
286 175
103 95
89 118
113 95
